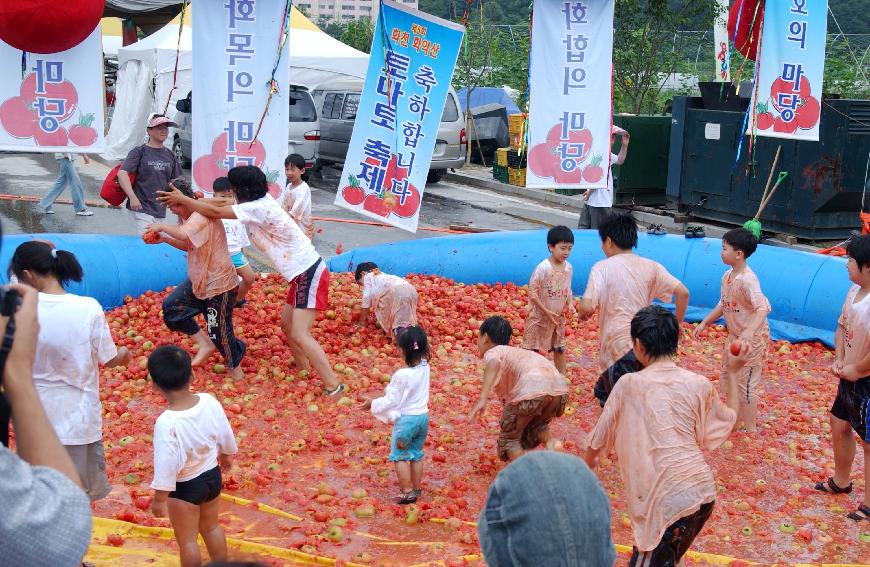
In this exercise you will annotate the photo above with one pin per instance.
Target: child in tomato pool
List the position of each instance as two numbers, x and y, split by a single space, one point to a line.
532 390
273 232
193 441
237 238
405 403
745 309
393 299
209 290
659 422
550 297
296 196
74 341
851 408
618 287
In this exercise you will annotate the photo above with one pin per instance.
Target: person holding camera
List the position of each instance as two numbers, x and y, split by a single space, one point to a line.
46 519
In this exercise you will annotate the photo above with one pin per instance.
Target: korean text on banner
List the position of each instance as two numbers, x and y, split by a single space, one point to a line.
791 67
57 105
411 65
570 107
234 49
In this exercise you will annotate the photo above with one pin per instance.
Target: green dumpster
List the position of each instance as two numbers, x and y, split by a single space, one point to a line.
643 177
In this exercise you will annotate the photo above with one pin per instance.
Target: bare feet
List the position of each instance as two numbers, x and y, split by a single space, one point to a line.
555 445
237 374
202 355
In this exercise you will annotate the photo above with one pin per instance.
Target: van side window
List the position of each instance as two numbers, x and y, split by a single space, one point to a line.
328 103
451 113
336 107
351 104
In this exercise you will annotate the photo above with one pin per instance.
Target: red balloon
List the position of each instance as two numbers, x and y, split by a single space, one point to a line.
48 26
746 37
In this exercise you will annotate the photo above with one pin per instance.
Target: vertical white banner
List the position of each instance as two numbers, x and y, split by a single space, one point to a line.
791 67
53 102
720 42
235 44
570 108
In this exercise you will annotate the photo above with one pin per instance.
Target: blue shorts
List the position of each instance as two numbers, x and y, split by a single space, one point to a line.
409 436
239 260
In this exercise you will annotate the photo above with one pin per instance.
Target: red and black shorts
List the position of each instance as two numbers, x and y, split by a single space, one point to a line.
310 289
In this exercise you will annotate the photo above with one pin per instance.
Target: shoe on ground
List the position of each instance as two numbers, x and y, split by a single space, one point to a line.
656 230
85 213
48 212
338 389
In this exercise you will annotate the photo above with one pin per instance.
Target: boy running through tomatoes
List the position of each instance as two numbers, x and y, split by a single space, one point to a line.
852 366
532 390
211 286
745 309
550 297
659 422
618 287
289 250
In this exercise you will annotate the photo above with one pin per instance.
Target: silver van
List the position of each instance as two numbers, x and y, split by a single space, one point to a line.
304 127
338 101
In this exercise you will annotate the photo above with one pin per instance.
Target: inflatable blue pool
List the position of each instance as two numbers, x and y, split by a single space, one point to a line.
114 266
806 291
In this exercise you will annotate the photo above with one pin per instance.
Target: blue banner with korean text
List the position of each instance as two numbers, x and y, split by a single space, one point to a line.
570 108
236 49
410 68
791 67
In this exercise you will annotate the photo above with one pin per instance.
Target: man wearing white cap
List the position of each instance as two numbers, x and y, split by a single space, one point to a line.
153 166
599 202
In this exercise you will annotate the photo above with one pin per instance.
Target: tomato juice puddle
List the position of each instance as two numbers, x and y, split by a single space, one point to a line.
325 461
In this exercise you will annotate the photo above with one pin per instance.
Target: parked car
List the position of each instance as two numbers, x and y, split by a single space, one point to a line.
338 101
304 127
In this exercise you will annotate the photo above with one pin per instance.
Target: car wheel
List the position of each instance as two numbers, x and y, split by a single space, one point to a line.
435 175
179 154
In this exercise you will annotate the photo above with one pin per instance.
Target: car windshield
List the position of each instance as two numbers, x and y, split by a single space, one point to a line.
301 106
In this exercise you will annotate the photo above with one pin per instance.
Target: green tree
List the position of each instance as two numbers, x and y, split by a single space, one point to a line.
646 46
358 34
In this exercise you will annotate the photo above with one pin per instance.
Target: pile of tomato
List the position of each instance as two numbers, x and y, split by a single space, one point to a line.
325 461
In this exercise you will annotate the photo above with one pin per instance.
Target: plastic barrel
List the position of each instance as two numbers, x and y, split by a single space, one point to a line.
806 291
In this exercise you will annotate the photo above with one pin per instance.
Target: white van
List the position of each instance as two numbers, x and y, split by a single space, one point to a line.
304 127
337 102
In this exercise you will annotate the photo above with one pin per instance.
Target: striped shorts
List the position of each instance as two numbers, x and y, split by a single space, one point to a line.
310 289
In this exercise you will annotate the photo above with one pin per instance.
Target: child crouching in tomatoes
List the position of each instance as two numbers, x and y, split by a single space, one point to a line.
393 299
193 441
406 403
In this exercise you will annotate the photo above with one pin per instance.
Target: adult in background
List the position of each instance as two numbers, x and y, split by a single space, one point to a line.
67 175
546 508
154 166
599 202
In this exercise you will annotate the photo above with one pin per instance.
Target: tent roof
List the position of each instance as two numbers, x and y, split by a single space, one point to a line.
481 96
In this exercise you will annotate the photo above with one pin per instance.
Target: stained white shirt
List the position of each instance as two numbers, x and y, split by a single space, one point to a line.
237 236
187 442
406 394
604 197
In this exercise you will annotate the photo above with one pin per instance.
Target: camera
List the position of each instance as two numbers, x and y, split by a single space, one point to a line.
9 302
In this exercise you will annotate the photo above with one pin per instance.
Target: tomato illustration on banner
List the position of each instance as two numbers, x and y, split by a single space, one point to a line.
226 153
398 115
58 103
791 67
570 98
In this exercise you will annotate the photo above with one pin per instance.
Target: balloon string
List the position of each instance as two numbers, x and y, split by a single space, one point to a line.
754 104
177 57
749 38
524 132
283 32
23 64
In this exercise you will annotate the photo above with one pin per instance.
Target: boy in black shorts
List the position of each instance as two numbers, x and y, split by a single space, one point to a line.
191 438
852 367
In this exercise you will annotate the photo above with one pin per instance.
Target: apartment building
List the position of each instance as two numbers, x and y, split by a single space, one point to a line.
344 10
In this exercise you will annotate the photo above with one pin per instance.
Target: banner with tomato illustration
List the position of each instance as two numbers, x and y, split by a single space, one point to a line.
53 102
570 107
235 48
399 112
791 65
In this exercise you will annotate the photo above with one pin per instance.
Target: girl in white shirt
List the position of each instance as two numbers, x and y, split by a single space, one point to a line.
74 341
193 441
406 404
296 197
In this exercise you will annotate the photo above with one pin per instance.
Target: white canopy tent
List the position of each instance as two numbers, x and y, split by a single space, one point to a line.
147 71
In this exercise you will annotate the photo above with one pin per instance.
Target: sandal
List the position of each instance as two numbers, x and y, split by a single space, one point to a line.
338 389
831 488
404 499
241 303
862 513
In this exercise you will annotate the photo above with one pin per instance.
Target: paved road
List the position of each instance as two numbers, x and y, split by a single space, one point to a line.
444 204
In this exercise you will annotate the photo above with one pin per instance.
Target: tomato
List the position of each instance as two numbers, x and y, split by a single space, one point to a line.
82 135
764 121
808 113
